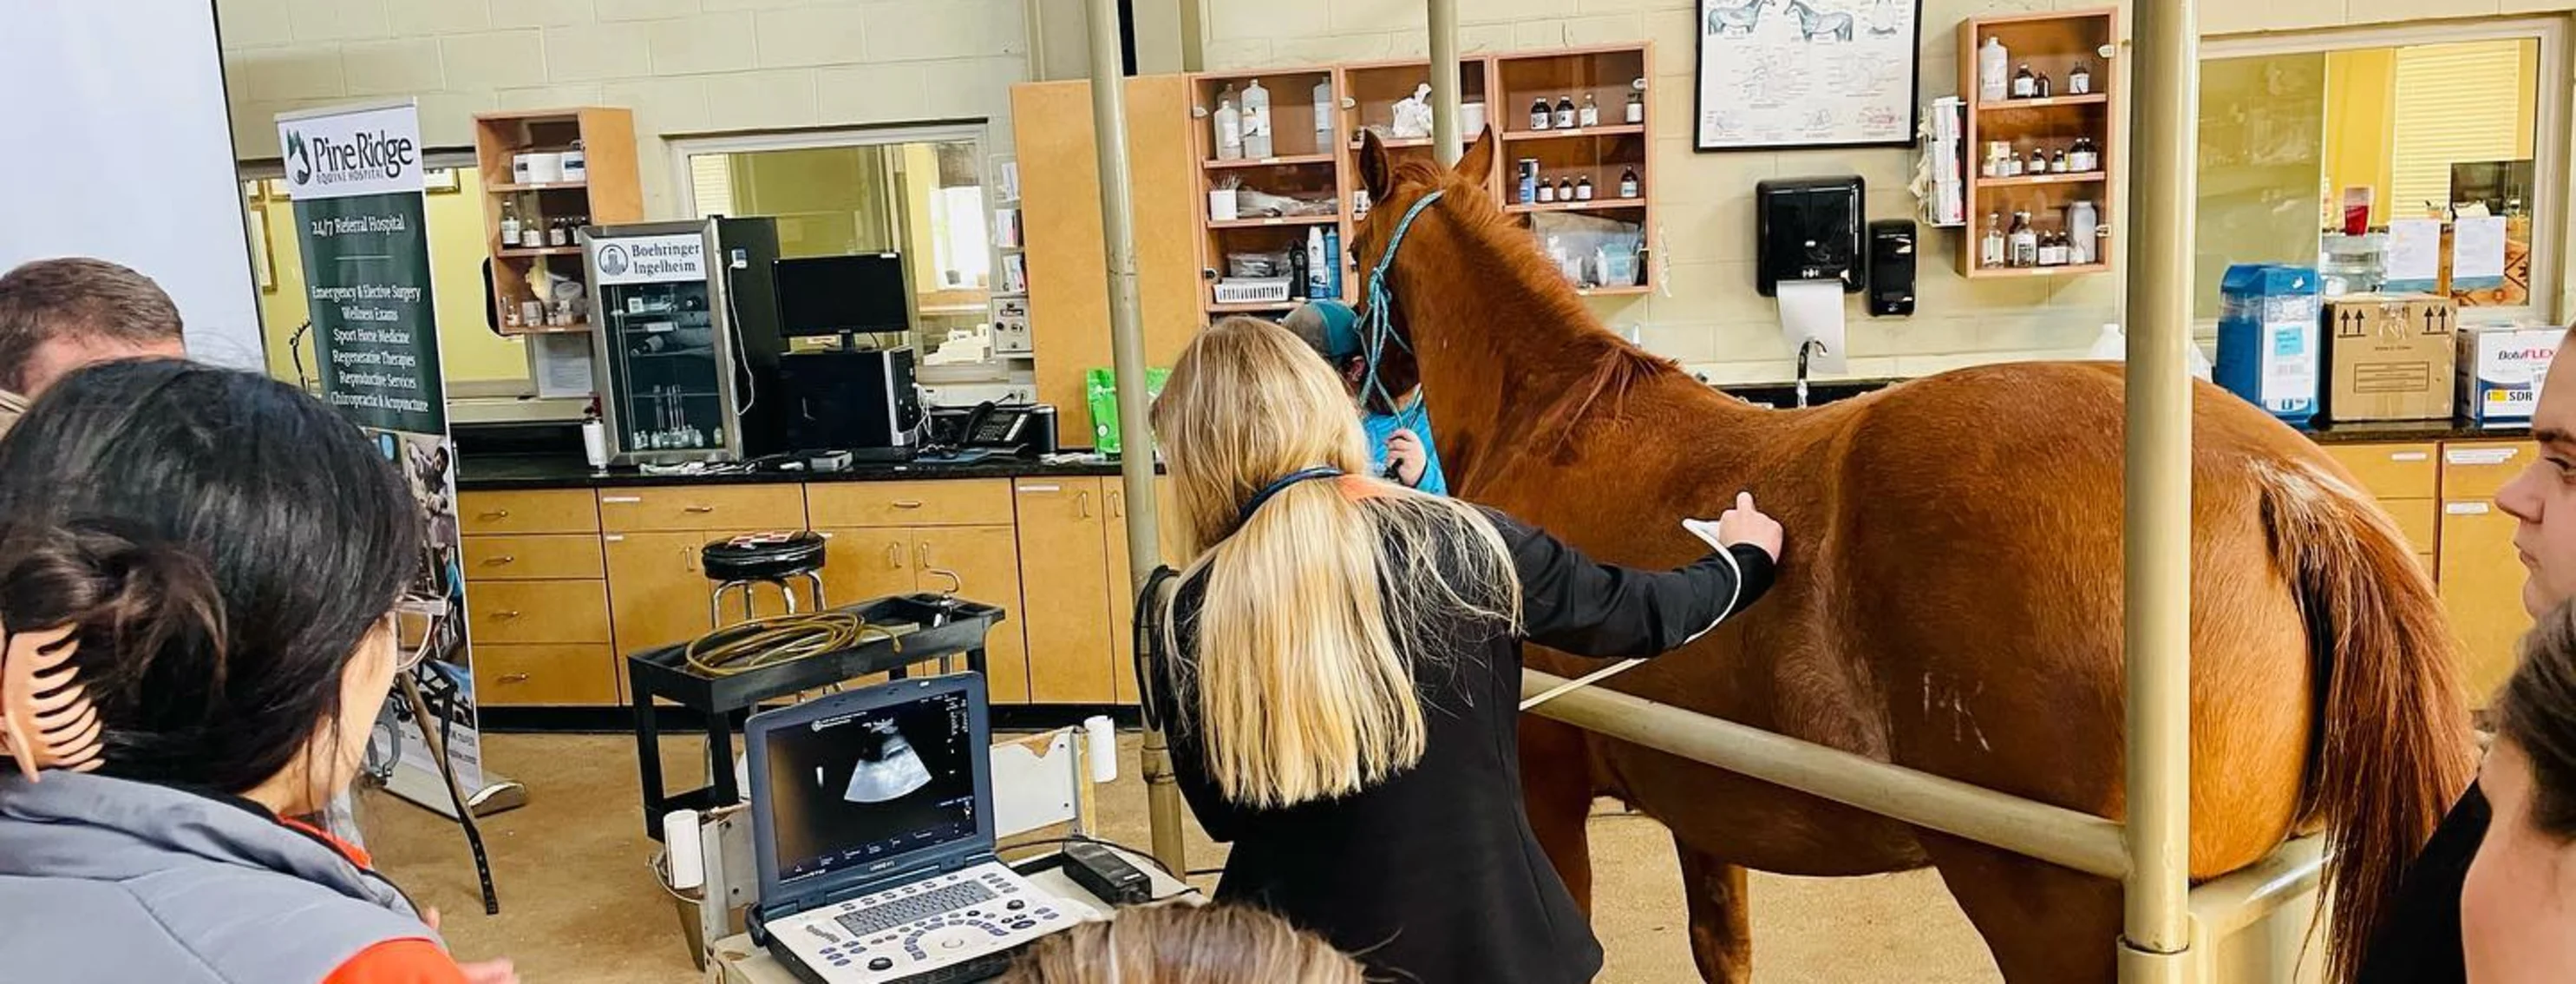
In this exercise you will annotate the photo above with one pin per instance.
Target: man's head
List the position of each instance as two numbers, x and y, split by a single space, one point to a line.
62 314
1332 329
2543 497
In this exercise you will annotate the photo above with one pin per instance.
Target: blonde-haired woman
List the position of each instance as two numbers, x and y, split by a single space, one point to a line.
1183 944
1344 671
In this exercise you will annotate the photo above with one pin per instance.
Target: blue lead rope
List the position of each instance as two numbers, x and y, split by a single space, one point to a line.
1379 323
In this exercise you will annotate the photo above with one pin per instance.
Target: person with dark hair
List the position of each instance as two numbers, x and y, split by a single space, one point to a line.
61 314
2518 906
1399 436
201 580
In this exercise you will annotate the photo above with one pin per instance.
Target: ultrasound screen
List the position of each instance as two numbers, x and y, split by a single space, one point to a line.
849 791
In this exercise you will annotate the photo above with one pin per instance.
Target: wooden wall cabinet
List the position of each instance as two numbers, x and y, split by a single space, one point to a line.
2053 45
608 194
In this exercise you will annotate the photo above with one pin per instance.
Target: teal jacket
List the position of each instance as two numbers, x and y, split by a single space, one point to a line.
1381 426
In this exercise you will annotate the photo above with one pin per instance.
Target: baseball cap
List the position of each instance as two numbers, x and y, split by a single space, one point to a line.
1330 326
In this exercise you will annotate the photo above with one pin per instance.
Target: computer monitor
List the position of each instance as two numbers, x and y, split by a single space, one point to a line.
888 778
828 296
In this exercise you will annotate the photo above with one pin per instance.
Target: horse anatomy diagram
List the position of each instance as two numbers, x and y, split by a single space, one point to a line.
1804 73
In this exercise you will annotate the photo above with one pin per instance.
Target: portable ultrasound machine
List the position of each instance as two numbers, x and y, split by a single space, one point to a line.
872 817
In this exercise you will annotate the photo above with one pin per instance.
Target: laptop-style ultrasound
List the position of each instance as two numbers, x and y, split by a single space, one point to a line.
872 817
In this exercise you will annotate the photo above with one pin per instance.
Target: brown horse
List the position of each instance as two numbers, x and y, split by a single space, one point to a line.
1950 600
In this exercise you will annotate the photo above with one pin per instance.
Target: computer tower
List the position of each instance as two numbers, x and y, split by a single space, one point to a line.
865 403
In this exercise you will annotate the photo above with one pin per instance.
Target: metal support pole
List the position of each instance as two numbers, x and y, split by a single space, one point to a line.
2156 934
1445 139
1127 354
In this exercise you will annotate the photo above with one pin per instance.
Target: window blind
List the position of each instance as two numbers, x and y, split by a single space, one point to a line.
2455 103
711 183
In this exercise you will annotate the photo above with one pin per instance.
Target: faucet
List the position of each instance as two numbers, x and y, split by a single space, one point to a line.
1805 348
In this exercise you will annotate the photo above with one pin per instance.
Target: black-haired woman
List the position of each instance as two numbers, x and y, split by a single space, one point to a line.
199 578
2518 908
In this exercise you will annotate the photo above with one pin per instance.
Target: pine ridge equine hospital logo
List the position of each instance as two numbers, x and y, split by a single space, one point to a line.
612 260
316 160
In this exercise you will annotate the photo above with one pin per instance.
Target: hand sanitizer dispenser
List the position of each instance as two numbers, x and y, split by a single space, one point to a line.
1807 229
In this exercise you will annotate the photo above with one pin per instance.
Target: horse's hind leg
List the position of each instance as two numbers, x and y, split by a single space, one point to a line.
2044 924
1721 930
1556 787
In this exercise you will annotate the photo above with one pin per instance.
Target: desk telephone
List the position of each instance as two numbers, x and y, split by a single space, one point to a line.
993 425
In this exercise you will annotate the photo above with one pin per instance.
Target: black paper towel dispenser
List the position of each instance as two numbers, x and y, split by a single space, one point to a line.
1807 229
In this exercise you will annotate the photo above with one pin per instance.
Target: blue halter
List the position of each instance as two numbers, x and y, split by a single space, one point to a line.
1378 325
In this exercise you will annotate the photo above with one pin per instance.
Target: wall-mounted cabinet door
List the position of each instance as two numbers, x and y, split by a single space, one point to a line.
1064 609
981 563
867 562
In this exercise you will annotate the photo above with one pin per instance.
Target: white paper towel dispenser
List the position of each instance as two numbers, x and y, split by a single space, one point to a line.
1807 229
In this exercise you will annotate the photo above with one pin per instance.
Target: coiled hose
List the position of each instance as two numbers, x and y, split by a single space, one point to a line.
777 639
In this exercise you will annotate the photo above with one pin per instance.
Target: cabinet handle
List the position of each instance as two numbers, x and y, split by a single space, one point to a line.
702 509
894 556
907 503
494 514
1082 501
955 582
500 560
1042 488
2466 508
513 678
507 613
2410 456
1118 505
619 500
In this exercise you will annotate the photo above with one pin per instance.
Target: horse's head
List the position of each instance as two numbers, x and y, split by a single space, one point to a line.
1394 188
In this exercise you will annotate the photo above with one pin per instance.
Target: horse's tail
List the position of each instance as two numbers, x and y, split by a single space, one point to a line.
2392 748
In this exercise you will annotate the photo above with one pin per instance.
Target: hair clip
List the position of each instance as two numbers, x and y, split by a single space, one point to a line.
46 719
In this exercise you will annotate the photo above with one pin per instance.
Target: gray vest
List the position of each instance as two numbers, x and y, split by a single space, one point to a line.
106 880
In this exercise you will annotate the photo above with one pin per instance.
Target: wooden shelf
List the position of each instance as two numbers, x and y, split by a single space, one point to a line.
1614 291
1294 160
1274 220
1255 307
1610 130
2027 180
2087 99
505 189
515 252
608 193
2041 271
1595 205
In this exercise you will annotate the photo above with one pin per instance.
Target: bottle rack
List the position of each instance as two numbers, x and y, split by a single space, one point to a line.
608 193
1307 161
2053 45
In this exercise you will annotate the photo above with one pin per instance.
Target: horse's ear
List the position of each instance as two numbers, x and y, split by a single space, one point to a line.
1477 166
1377 173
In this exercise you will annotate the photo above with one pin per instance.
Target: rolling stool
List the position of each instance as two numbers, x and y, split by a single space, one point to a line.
776 558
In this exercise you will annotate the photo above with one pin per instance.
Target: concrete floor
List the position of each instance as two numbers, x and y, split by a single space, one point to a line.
580 906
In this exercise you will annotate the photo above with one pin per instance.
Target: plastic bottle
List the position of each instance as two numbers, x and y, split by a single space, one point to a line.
2113 345
1990 251
1319 267
1256 121
1993 79
1333 261
509 223
1229 126
1299 278
1324 115
2082 218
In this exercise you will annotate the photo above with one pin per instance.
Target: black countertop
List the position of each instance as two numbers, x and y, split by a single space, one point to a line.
494 473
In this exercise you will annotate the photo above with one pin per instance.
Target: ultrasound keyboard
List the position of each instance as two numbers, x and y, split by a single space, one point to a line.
958 926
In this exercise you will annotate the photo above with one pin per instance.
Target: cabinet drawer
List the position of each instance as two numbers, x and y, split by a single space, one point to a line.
2476 471
2391 471
524 558
581 675
956 502
538 611
739 507
2419 519
559 511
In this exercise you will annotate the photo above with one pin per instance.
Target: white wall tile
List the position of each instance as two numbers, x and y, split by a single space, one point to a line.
1354 16
624 10
661 105
392 68
252 23
1230 19
762 100
1619 6
1910 336
1332 48
1675 35
1484 38
1680 341
413 18
811 36
1527 35
538 13
338 20
915 30
279 74
447 118
1237 53
592 52
969 88
1605 29
2537 6
873 93
706 43
548 96
495 59
2381 11
713 6
1413 44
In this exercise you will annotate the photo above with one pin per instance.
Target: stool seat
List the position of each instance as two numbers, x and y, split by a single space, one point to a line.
763 556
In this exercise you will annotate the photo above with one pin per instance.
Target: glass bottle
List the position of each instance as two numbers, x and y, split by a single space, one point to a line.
1590 114
509 223
1546 191
2024 84
1564 190
1583 188
1636 105
1565 112
2024 241
2079 80
1990 250
1628 183
2038 161
2057 161
1540 118
2040 85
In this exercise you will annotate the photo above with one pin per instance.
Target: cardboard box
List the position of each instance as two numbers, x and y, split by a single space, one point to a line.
2390 357
2501 370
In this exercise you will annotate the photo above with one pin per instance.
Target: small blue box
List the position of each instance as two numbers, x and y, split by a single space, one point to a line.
2269 349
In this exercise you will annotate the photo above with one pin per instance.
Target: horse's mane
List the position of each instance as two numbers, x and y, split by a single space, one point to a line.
1506 253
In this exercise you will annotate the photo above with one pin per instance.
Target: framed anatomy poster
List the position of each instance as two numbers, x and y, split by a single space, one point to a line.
1792 74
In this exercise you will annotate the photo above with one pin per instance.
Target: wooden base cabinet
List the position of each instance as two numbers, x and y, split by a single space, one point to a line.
979 563
2481 575
1064 572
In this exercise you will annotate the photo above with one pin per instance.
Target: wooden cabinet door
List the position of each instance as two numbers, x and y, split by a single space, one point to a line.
981 563
657 594
1064 604
2482 588
866 562
544 675
1121 582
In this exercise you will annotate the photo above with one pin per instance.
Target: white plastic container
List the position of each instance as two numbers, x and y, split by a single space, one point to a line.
1223 205
1256 121
2082 219
2113 346
1324 115
1228 123
1994 72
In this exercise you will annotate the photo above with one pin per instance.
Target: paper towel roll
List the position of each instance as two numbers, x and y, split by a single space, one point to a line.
1813 309
680 835
1100 739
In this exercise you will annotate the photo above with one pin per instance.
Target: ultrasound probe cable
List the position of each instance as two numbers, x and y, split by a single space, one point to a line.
778 639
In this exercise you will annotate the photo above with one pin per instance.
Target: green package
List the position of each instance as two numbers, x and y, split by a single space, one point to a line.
1101 387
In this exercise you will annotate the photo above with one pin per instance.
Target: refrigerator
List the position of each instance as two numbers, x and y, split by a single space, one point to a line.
684 338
